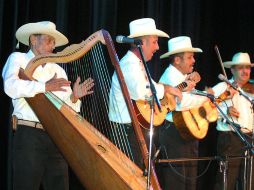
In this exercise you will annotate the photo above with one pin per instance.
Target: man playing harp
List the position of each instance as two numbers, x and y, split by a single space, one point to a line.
36 159
136 80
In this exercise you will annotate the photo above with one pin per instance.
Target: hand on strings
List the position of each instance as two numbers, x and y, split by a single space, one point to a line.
194 76
57 84
82 89
174 91
192 79
190 85
233 112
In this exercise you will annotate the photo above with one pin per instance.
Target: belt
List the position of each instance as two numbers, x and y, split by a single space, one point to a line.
30 124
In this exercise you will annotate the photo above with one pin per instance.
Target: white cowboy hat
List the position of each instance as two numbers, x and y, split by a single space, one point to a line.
239 59
144 27
44 27
178 45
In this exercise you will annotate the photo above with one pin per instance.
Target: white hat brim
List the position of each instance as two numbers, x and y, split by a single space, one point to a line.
25 31
155 32
229 64
196 50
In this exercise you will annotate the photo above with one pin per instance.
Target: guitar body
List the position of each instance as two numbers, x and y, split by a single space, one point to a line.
143 111
194 123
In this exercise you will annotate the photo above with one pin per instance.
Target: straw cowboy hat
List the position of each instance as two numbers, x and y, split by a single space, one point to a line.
144 27
239 59
178 45
44 27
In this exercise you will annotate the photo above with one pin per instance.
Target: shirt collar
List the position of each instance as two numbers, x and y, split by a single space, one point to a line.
30 54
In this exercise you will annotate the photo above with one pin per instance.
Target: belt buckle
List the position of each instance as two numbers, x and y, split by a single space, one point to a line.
39 126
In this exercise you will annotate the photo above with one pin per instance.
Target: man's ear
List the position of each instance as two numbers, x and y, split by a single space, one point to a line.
32 39
232 70
177 60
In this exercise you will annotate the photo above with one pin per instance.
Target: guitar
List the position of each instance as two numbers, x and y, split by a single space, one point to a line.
143 111
194 123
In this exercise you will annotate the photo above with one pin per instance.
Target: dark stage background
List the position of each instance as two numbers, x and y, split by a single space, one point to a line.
229 24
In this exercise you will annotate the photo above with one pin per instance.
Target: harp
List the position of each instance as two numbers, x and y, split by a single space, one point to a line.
84 141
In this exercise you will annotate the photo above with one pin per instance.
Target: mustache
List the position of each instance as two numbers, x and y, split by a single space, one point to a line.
245 74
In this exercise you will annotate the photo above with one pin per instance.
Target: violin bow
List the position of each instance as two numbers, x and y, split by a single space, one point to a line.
220 60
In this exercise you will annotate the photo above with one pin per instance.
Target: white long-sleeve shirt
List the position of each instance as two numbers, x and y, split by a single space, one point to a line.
136 81
243 106
18 89
172 76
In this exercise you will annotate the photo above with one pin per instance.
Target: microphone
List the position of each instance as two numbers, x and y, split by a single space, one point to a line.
224 79
126 40
201 93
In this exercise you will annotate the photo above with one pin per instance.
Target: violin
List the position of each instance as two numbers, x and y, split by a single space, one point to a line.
224 96
249 87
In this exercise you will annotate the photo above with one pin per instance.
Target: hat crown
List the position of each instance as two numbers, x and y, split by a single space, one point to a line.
181 42
140 25
241 58
144 27
47 24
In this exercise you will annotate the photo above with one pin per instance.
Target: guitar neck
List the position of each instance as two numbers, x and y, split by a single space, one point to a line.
182 85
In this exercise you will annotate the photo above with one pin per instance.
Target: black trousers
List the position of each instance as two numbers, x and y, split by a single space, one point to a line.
135 149
230 145
36 161
178 175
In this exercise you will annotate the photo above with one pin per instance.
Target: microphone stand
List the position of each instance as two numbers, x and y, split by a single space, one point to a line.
151 101
238 131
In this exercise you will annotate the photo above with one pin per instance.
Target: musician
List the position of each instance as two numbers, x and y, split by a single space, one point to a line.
240 111
136 79
36 159
180 175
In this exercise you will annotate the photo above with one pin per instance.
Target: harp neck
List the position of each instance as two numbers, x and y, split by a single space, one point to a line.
69 54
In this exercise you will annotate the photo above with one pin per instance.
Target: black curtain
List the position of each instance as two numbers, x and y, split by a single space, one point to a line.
228 24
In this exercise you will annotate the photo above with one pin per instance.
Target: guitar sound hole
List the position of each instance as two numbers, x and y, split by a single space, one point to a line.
202 112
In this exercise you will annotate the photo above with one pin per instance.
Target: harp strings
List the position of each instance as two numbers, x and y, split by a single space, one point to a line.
115 132
95 107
